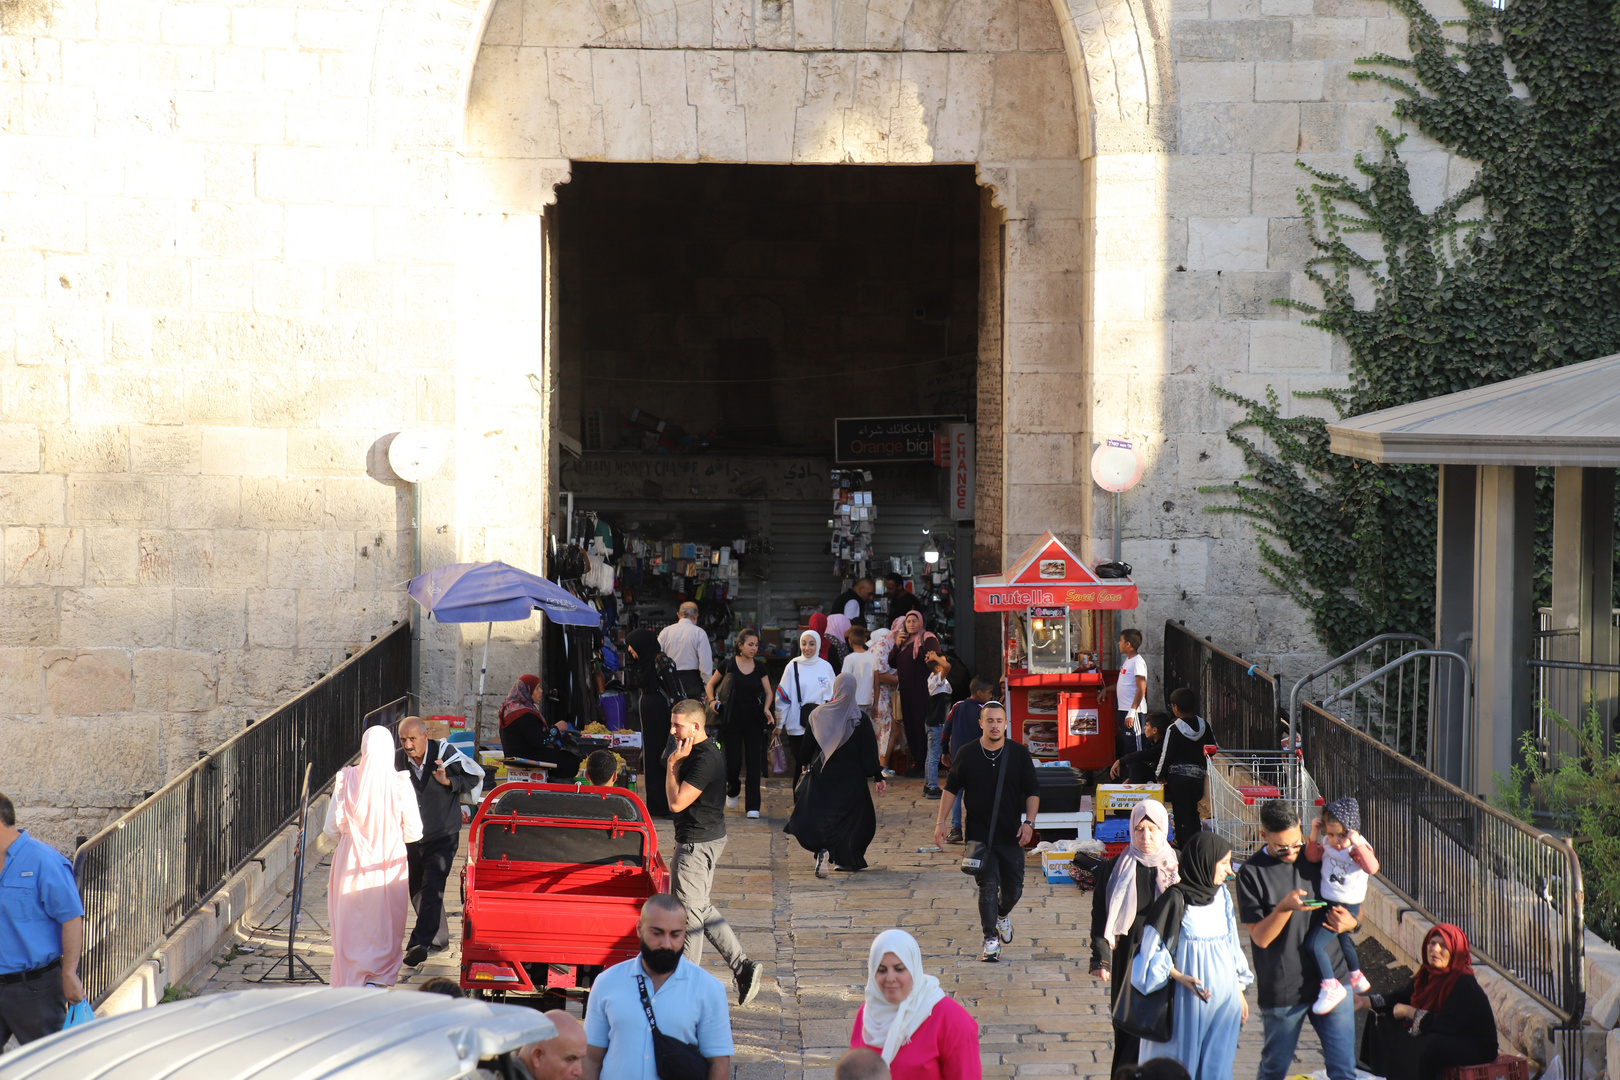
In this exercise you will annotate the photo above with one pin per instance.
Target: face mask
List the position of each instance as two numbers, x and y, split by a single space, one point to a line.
659 961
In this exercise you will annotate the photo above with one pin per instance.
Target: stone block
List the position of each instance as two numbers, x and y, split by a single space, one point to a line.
1211 82
1265 127
1126 347
1033 297
86 682
22 276
312 559
205 502
173 681
1327 39
33 395
1226 244
1233 40
1293 81
1044 459
262 28
267 677
384 560
45 222
22 682
1207 459
1321 126
117 396
109 501
1032 507
244 451
1278 180
340 619
112 556
40 556
1051 347
969 85
1208 185
66 336
1428 172
156 282
1288 347
1252 294
244 230
124 226
365 504
19 448
172 557
1182 296
240 557
1044 404
272 618
87 448
165 449
277 503
215 396
210 619
130 343
327 453
31 499
329 234
114 617
1209 348
28 616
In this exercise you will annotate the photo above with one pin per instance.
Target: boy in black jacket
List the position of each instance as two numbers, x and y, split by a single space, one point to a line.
1138 766
1182 763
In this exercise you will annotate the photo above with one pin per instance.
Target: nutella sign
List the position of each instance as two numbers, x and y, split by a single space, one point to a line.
959 459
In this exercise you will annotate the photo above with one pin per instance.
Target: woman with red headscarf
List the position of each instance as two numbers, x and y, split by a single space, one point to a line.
523 729
1439 1021
910 662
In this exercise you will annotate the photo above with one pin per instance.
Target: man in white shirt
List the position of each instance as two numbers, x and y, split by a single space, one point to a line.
1130 695
686 643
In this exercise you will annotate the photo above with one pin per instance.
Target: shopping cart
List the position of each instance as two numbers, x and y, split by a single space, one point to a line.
1241 780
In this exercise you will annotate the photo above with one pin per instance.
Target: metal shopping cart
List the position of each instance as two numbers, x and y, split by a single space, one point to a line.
1240 780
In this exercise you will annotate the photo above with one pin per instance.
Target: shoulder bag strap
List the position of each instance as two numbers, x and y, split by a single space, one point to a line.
798 691
1001 778
646 1002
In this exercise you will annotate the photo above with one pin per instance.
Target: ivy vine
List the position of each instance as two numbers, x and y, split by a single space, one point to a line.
1519 271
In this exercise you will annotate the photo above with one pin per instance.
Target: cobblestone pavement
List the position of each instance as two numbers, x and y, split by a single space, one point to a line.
1039 1013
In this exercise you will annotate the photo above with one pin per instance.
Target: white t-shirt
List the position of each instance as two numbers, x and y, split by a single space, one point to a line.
1343 879
938 684
862 665
1125 689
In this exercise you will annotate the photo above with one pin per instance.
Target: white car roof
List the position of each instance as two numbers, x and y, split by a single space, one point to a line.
289 1034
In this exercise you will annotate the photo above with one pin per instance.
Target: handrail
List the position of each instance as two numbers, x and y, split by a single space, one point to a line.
1335 664
1238 699
1433 655
1455 858
150 870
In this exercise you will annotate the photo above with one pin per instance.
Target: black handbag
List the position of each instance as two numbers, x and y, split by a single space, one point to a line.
675 1060
1147 1016
973 862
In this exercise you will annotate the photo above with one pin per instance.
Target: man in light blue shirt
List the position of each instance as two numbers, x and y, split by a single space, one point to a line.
689 1003
41 934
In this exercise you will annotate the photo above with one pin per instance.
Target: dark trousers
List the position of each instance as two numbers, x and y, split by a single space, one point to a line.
804 750
33 1008
745 755
1127 1047
1183 793
1126 741
1001 885
429 862
692 682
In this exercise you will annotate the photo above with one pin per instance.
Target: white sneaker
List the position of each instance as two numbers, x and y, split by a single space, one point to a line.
1359 983
1326 1001
731 803
992 951
823 861
753 813
1004 929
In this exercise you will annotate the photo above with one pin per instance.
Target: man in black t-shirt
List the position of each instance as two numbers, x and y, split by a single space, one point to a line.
1273 889
975 769
695 781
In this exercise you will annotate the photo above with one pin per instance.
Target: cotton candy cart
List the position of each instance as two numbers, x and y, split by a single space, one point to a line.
1240 781
1057 624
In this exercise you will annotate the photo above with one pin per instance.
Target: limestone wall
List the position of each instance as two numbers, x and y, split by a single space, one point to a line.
241 243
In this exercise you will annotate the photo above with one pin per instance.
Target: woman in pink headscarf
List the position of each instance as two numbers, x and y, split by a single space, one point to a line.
910 661
837 626
371 818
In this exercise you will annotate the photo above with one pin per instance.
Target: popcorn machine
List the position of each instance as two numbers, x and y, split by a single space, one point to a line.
1056 629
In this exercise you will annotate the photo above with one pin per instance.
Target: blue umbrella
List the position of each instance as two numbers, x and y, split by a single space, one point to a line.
494 592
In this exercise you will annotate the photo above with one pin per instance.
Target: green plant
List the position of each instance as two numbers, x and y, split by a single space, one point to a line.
176 992
1581 794
1518 271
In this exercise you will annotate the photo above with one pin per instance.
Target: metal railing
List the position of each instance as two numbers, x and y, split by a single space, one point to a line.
1514 890
1569 687
1237 698
150 870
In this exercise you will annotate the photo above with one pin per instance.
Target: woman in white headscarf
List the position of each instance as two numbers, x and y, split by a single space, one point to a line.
805 684
921 1033
1126 888
834 817
371 817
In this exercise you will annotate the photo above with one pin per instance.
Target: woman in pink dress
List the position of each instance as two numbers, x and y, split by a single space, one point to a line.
883 724
372 816
908 1019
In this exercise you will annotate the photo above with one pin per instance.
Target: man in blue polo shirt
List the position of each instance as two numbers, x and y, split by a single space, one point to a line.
688 1003
41 934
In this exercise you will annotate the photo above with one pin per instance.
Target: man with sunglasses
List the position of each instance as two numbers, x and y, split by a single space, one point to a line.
1276 894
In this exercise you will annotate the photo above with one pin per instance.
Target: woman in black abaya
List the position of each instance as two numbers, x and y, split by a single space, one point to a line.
834 816
653 709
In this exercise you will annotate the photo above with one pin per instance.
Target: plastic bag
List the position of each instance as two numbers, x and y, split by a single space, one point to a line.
78 1013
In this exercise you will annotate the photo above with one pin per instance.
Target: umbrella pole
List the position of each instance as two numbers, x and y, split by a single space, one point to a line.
483 670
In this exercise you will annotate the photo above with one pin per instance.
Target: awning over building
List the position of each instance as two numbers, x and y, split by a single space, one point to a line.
1568 416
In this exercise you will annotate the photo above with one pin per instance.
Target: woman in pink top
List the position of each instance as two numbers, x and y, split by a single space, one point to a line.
907 1018
371 817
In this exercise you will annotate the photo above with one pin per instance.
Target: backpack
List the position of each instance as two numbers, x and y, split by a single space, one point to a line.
667 679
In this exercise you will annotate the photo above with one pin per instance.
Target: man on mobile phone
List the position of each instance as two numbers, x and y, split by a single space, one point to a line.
1276 890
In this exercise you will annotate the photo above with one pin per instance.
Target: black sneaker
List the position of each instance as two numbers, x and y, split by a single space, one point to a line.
823 860
954 836
749 976
931 793
415 956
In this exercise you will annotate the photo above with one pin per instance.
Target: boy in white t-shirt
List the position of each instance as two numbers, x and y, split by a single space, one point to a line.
1130 695
862 664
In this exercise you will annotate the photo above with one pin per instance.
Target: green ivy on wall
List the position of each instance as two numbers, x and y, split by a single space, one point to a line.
1517 272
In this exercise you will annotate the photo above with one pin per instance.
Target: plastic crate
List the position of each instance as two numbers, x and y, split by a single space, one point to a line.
1505 1067
1111 851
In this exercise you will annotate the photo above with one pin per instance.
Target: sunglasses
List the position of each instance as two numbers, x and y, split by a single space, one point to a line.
1288 847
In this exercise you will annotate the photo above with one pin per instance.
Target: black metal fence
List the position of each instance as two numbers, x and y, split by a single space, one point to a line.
1238 699
150 870
1515 891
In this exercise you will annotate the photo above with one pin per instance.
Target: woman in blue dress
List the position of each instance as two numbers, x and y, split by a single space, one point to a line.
1206 959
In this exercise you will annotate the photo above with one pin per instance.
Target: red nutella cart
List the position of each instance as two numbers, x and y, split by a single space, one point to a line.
1051 656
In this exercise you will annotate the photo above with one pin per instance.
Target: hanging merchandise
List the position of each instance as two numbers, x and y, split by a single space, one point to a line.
853 521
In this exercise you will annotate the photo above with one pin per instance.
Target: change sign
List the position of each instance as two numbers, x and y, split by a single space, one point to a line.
866 439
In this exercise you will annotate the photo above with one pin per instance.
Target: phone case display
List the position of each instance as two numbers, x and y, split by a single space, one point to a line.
853 521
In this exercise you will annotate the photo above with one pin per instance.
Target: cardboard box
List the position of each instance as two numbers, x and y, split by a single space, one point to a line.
494 763
1056 866
1119 799
440 727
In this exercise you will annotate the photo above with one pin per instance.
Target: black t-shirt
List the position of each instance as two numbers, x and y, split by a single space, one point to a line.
705 769
975 771
746 700
1285 970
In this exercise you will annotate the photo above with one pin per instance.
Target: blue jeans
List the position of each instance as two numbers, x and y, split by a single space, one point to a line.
931 768
1337 1030
1319 936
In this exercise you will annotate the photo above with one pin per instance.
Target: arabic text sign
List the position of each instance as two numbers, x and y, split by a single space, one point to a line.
886 438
